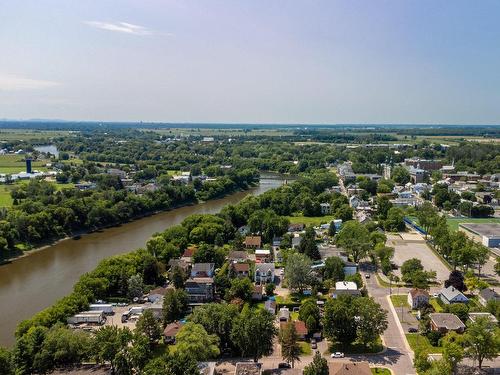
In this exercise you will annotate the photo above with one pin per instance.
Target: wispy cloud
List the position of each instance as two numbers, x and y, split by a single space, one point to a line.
9 82
120 27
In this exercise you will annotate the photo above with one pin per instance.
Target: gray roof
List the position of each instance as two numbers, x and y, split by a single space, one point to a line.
264 267
203 267
489 294
489 230
446 320
450 293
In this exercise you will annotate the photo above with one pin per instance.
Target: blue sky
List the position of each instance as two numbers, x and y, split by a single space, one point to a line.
251 61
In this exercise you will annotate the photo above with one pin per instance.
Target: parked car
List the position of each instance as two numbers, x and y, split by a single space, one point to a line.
367 275
435 295
314 345
412 330
337 355
284 365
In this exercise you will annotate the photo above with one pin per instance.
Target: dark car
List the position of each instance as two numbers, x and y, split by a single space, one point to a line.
412 330
284 365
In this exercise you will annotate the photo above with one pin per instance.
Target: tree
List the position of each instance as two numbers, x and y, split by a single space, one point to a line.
383 206
270 287
497 266
339 320
290 349
354 238
108 342
344 213
192 338
453 351
318 366
174 305
308 245
334 269
309 313
409 268
421 361
332 230
482 340
173 364
400 175
240 288
298 271
6 363
456 280
249 326
149 327
426 215
371 319
395 220
135 286
178 277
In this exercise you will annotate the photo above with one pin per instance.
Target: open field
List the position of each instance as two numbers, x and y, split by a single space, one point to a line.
453 223
205 132
399 300
15 164
419 342
29 135
315 220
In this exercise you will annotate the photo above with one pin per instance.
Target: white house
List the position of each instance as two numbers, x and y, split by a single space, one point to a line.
325 208
264 273
346 287
452 295
418 298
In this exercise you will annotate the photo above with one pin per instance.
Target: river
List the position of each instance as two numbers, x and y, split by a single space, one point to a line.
34 282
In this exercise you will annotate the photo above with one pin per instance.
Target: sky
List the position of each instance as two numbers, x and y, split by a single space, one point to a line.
255 61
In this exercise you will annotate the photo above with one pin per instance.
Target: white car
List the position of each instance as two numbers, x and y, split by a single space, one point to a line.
337 355
282 271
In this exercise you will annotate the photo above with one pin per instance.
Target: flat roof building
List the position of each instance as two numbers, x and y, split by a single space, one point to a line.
486 233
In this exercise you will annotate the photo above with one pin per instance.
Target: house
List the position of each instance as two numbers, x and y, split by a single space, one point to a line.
188 254
276 241
284 314
487 295
473 316
257 292
349 368
207 368
356 202
253 242
300 328
264 273
156 294
262 255
297 227
417 175
346 287
170 331
445 322
325 208
296 242
270 305
200 289
248 368
418 298
237 256
240 269
203 270
452 295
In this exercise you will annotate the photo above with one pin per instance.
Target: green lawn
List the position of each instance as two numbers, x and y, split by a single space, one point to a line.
315 220
357 348
419 342
435 304
399 300
381 371
305 348
5 199
28 135
15 164
453 223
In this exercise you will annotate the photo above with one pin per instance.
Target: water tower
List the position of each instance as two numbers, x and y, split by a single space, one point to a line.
28 165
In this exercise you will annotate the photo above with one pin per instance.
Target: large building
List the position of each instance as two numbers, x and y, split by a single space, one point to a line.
486 233
425 164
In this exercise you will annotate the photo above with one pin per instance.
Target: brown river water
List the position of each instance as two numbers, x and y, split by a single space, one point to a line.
34 282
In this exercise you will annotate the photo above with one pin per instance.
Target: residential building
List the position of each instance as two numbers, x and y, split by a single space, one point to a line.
300 328
200 290
270 305
240 269
248 368
346 287
326 208
445 322
473 316
296 227
253 242
156 294
488 294
172 263
262 255
187 256
418 298
349 368
203 270
237 256
284 314
452 295
257 292
296 242
264 273
170 331
417 175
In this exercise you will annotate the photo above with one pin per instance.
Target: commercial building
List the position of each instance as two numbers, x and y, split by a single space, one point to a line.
486 233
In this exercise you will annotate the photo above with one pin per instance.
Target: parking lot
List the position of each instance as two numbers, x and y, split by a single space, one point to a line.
415 247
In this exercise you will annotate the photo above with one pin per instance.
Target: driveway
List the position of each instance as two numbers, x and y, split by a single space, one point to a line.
416 247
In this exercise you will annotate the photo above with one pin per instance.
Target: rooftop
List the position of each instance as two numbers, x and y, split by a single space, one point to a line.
446 320
490 230
247 368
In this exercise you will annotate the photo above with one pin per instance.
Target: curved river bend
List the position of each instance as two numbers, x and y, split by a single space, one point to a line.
34 282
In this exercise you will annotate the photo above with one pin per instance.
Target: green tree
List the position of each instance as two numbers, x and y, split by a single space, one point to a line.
318 366
395 220
173 364
298 271
421 361
192 338
334 269
482 340
400 175
250 325
409 267
354 238
240 288
174 305
339 320
308 244
290 349
148 326
332 230
6 363
309 313
135 286
178 277
270 287
371 319
108 342
453 351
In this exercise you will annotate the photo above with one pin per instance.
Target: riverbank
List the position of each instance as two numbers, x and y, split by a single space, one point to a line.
32 283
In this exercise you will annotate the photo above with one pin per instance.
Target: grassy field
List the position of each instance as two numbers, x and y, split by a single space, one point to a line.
15 164
29 135
419 342
453 223
315 220
357 348
399 300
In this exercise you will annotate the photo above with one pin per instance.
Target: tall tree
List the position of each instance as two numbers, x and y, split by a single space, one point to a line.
318 366
290 349
148 326
298 271
482 340
308 244
6 363
174 305
334 269
192 338
355 239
